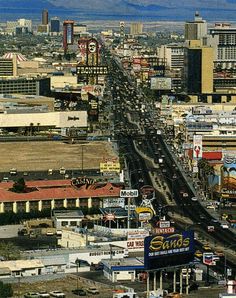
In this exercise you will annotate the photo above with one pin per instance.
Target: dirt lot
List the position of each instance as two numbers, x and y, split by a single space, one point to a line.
37 156
68 283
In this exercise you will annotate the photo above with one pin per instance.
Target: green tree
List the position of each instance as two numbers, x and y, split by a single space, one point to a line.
19 186
5 290
9 251
205 171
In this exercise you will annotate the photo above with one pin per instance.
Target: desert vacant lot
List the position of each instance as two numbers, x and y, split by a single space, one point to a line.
36 156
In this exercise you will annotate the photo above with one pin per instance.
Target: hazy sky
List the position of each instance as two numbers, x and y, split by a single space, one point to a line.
160 9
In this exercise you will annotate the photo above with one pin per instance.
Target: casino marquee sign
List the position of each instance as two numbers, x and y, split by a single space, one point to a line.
168 250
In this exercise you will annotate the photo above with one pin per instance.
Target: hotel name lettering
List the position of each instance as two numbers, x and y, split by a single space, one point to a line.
175 243
91 70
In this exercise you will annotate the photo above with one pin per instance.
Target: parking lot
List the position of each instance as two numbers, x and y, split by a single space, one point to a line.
41 156
64 284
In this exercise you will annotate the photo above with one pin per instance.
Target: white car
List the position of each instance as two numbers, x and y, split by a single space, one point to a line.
194 199
57 294
93 291
210 206
224 226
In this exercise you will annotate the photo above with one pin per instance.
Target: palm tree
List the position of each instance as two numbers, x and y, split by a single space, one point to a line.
205 170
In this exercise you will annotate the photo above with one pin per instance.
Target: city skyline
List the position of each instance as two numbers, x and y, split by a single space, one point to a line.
143 10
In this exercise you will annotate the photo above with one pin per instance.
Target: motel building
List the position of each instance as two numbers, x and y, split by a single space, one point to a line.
55 194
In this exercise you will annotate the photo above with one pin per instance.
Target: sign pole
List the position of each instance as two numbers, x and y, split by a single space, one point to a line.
155 281
161 279
208 275
174 281
187 282
148 290
181 282
128 217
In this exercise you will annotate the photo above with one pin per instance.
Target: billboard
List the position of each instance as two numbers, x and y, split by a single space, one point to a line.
109 167
113 202
144 213
228 176
166 250
135 239
158 83
197 147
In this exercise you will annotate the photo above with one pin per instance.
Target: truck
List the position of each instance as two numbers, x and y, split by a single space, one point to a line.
50 171
225 295
13 172
125 295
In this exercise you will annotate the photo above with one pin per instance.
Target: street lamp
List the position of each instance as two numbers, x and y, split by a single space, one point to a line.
77 263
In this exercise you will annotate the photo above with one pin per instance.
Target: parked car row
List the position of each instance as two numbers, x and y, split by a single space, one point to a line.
59 294
44 294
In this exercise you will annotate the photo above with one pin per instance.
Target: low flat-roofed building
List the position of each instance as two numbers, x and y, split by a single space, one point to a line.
67 218
123 269
25 85
68 256
20 268
20 100
77 119
75 238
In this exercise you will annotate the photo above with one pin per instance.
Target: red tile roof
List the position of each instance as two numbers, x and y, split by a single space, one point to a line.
58 189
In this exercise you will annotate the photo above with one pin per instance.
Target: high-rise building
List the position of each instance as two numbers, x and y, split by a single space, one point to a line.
25 23
8 67
122 33
196 29
13 26
198 69
55 25
136 28
43 29
173 54
223 37
68 33
45 17
79 28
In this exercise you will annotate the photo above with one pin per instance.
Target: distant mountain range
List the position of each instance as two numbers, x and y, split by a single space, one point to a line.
169 10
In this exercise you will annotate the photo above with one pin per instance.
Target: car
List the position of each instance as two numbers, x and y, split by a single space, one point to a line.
198 254
57 294
210 228
219 253
93 291
206 247
224 226
210 206
194 199
43 294
31 295
79 292
5 179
